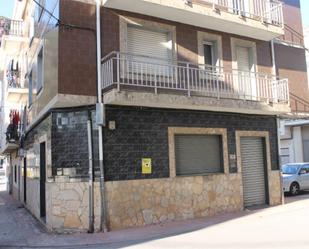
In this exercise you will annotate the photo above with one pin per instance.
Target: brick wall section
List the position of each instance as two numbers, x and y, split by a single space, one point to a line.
226 51
186 38
77 49
110 34
293 21
264 60
291 64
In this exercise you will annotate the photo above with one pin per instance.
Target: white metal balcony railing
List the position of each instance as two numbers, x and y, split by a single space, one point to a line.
119 69
12 27
268 11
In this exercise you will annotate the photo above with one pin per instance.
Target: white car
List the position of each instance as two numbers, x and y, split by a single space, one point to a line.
295 177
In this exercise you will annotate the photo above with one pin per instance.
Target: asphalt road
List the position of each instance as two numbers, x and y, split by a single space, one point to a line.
284 227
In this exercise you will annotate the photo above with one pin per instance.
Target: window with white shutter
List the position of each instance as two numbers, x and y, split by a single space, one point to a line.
148 43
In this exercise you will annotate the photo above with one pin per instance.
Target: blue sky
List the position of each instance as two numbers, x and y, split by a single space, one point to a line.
6 9
305 12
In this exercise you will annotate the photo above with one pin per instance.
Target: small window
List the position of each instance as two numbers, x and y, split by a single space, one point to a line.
40 71
198 154
30 97
208 54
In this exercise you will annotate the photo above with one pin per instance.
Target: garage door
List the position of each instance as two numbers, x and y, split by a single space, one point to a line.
252 158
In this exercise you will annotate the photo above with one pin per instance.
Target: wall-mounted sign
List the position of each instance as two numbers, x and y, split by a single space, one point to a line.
146 166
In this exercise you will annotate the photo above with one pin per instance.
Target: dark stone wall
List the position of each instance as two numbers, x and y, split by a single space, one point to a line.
70 141
142 133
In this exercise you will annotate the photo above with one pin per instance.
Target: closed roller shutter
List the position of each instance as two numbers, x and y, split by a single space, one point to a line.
198 154
247 83
148 43
253 172
243 59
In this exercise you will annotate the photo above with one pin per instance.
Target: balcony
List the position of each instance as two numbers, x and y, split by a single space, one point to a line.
12 33
259 19
12 139
17 91
144 81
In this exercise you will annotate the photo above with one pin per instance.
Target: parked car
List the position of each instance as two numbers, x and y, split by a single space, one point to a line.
295 177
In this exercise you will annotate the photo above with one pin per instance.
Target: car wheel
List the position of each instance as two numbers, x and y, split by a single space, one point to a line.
294 188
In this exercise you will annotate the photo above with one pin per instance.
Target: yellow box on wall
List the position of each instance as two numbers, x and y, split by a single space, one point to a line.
146 166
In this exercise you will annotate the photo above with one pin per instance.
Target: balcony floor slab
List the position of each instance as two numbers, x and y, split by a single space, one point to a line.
181 101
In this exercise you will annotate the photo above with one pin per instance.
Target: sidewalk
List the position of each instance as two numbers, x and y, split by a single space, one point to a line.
267 228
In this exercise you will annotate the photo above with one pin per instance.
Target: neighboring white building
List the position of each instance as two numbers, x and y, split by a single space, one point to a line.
294 141
294 133
13 89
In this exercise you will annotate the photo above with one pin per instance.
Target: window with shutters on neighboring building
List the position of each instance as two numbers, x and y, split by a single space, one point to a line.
30 94
40 71
198 154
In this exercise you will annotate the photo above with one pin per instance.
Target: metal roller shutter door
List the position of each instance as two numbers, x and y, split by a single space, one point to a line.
253 172
198 154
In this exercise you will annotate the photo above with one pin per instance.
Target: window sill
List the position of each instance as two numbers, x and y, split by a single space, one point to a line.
206 174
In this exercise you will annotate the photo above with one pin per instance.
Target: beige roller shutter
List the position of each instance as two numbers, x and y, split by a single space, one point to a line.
243 59
148 43
253 171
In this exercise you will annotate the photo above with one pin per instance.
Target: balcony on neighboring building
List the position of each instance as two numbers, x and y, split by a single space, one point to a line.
11 33
12 134
17 90
259 19
144 81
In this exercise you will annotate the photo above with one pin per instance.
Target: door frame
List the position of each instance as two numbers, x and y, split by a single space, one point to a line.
267 158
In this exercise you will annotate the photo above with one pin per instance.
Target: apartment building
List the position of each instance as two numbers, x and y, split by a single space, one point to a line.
192 91
294 131
14 94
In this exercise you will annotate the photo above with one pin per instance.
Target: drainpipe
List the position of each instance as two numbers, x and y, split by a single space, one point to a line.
279 159
90 158
274 73
100 109
273 59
